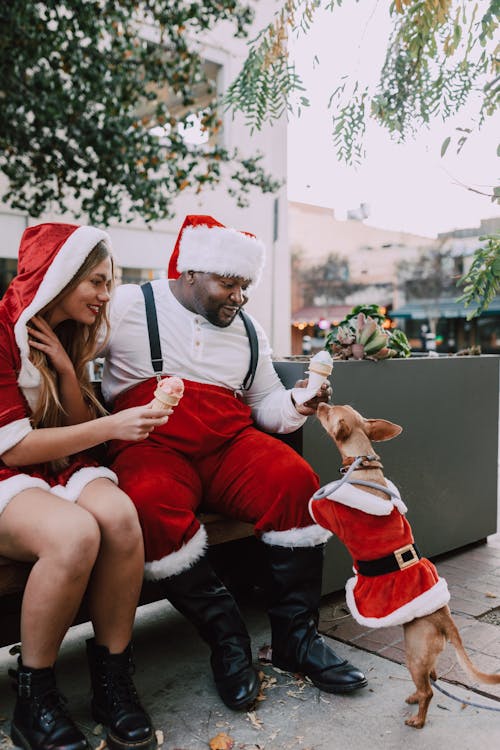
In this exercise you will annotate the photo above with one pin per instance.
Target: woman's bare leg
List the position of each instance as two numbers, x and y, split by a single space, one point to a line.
116 579
63 541
113 593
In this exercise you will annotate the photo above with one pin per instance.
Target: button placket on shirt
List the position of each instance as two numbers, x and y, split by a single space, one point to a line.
197 344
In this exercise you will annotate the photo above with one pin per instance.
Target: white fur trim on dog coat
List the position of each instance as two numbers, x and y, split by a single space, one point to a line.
355 497
423 604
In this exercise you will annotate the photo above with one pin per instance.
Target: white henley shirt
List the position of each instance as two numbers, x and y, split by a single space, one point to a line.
194 349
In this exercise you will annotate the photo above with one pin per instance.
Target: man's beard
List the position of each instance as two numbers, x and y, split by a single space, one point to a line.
215 319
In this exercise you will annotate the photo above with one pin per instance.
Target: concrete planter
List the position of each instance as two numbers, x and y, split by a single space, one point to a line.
445 463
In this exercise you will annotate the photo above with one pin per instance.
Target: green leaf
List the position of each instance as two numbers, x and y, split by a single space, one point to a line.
445 145
495 268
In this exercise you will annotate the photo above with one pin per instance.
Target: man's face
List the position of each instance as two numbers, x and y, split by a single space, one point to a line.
217 298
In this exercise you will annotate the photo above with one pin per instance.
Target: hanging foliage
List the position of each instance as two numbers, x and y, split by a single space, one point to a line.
98 100
482 281
439 53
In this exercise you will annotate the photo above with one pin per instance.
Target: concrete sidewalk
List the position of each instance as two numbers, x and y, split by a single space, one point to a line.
174 680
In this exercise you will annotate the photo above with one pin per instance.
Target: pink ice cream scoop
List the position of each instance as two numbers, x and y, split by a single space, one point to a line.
168 393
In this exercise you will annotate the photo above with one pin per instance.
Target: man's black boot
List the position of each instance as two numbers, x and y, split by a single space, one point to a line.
40 720
294 612
115 702
204 600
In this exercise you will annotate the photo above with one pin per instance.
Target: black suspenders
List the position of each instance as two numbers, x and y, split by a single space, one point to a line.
254 349
154 334
154 337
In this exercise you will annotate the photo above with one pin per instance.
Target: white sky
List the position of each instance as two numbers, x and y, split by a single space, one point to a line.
407 186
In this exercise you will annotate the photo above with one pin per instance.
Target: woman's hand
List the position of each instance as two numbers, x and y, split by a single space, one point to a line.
136 423
42 337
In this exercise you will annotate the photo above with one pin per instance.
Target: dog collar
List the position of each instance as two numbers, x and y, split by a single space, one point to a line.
331 487
371 461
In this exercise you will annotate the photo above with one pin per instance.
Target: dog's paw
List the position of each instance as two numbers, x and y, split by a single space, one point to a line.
413 698
415 722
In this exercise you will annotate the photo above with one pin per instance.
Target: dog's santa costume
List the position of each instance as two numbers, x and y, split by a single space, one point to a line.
209 451
49 257
392 583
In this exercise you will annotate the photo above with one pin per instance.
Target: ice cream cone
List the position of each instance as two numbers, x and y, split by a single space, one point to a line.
316 379
320 367
168 393
164 400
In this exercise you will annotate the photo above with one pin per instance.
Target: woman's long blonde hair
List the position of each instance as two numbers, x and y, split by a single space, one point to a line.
79 340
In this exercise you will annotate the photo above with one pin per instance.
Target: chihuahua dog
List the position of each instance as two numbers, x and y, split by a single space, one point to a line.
393 584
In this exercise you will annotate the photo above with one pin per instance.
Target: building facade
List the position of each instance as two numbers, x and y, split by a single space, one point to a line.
369 258
436 314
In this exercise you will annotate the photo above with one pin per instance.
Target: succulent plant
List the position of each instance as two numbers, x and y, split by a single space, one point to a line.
360 336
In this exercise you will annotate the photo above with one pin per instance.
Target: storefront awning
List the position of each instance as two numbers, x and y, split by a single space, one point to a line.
444 308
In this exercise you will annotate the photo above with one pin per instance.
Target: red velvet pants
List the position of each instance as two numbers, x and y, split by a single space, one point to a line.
209 453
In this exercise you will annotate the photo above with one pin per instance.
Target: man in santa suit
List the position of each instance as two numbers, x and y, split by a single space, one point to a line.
210 452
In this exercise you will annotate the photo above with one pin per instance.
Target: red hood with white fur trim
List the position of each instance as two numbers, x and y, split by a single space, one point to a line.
49 257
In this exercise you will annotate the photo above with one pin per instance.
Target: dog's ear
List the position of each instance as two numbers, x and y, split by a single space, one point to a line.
381 429
341 430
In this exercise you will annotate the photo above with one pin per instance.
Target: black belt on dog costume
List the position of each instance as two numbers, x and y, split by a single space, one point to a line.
400 559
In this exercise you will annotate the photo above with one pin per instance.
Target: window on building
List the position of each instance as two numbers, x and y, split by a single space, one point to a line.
488 334
191 128
140 275
8 269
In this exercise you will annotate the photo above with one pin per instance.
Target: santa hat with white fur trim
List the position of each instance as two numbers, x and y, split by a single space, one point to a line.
204 244
49 256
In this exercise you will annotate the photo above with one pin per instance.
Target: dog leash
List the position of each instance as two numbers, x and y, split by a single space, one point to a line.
465 702
331 487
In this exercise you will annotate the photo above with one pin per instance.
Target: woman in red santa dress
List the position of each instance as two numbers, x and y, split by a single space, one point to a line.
59 509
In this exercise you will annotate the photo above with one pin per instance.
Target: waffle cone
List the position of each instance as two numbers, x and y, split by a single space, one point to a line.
164 400
320 369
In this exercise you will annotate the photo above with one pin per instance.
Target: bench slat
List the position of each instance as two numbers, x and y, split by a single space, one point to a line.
13 575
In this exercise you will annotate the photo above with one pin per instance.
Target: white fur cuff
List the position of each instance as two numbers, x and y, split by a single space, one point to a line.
80 479
308 536
12 486
178 561
13 433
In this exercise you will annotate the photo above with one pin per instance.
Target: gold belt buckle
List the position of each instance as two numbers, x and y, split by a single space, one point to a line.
398 554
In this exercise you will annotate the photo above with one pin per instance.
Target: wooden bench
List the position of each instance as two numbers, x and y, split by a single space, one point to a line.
13 576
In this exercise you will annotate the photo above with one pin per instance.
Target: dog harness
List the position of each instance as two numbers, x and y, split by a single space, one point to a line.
393 583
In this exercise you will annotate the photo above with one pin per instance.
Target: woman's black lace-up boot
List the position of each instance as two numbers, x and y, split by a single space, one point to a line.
115 702
41 721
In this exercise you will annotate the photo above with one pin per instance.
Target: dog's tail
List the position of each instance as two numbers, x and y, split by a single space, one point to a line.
454 638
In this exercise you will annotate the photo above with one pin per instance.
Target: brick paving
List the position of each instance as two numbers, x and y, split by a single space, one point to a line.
473 577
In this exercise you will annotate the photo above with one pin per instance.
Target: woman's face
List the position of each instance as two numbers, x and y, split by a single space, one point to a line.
85 301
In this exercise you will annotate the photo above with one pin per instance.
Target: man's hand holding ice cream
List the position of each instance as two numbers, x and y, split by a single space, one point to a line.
308 394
